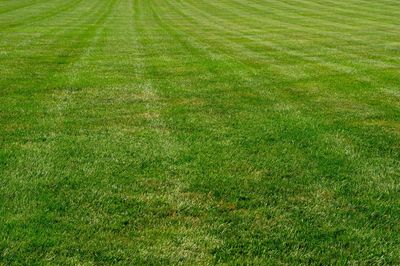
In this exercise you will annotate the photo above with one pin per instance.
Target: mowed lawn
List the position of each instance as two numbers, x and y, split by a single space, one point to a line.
199 132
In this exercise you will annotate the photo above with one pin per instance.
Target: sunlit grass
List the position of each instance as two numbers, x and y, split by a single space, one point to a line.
199 132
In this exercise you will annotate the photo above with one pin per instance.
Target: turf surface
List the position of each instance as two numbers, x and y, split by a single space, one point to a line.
199 132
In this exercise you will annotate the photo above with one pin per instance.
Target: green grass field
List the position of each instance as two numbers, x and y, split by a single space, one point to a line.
199 132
